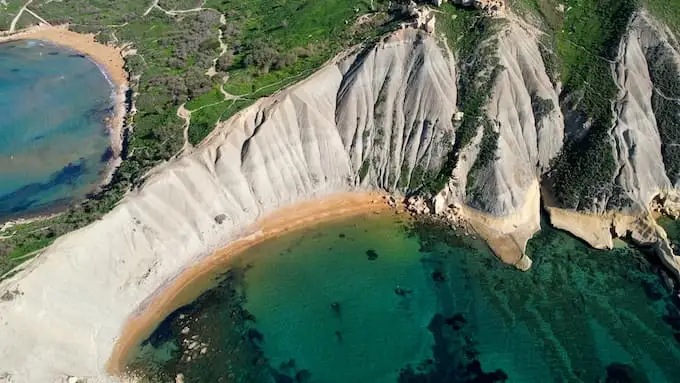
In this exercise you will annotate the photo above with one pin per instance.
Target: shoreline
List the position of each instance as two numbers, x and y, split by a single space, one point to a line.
198 278
110 61
108 58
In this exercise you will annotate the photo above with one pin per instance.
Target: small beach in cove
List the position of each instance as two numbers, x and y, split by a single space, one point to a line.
64 105
109 57
198 278
344 289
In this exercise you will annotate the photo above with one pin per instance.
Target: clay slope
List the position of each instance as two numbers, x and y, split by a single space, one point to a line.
524 110
68 307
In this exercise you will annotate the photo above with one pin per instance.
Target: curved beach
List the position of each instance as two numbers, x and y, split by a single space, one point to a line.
108 57
200 277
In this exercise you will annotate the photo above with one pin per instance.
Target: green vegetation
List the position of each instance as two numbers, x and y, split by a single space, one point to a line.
274 44
485 157
9 10
667 11
585 39
470 35
665 75
363 171
541 107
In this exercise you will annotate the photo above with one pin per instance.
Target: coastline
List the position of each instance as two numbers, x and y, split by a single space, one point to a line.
508 236
196 279
108 58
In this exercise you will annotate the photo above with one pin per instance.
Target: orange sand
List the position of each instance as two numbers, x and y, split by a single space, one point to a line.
198 278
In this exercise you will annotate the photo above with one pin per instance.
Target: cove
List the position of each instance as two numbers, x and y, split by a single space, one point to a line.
383 298
54 143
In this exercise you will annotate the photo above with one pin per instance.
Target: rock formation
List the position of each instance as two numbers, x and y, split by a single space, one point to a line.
371 119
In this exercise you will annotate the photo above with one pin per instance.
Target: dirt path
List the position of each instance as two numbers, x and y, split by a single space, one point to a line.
13 26
223 47
185 115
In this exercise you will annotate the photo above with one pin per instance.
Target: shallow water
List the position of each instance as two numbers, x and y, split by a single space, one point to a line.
375 299
54 143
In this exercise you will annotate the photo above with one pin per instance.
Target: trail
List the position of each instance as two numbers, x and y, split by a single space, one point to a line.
662 95
185 115
152 6
37 17
13 26
223 48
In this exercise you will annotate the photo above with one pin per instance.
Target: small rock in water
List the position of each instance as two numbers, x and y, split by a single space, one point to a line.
182 316
372 255
185 330
335 306
179 378
402 292
438 276
204 350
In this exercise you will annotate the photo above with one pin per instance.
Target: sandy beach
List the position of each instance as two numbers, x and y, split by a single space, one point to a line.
108 57
198 278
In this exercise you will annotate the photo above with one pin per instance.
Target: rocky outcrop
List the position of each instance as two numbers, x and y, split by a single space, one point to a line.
524 110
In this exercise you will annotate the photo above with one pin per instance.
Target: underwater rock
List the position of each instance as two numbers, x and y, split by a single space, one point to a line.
372 255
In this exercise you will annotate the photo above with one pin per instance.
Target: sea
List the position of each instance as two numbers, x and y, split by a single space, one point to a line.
54 141
386 298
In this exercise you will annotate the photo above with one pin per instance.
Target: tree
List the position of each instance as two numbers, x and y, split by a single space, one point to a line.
225 61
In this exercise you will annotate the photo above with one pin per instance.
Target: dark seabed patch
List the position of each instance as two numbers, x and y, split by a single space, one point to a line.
53 136
435 307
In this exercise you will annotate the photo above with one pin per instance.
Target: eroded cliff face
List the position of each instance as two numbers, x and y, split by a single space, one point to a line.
524 111
389 107
378 118
644 141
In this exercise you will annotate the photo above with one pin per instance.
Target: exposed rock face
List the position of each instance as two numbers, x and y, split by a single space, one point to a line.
389 107
389 126
636 135
370 120
528 139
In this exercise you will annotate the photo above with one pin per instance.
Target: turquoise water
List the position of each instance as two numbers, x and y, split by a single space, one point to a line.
54 143
376 299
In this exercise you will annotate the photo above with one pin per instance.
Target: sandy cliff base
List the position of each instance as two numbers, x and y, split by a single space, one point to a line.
508 236
198 278
599 231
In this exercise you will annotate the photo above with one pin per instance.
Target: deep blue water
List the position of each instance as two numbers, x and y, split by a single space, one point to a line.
54 104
